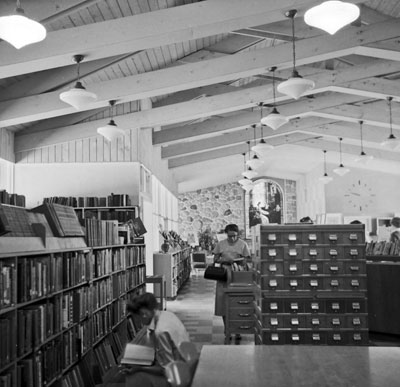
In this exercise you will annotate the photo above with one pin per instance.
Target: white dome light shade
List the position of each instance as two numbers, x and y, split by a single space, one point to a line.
363 158
78 96
391 143
341 170
110 131
245 182
295 86
19 31
331 16
325 179
274 120
249 174
262 146
255 162
248 188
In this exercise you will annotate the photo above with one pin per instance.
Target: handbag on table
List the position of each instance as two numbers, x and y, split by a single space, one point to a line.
215 273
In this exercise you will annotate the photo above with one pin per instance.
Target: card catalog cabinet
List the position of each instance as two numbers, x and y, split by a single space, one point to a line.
311 285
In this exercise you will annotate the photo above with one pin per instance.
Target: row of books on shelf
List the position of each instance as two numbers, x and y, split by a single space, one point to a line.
112 200
12 199
383 248
101 232
44 275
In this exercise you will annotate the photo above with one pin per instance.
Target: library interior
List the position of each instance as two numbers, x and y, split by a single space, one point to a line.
255 193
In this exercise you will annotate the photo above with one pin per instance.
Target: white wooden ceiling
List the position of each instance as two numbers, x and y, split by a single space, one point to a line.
205 67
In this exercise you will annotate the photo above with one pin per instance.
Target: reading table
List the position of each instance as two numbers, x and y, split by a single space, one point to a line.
300 366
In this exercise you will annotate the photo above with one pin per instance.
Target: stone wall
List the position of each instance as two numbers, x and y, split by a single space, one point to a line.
214 207
211 208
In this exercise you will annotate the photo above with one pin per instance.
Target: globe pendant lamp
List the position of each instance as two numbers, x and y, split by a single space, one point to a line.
248 173
262 146
325 178
363 158
274 119
392 142
341 170
19 30
331 16
111 130
296 85
78 96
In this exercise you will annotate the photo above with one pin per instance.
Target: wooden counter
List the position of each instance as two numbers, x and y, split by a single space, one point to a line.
297 366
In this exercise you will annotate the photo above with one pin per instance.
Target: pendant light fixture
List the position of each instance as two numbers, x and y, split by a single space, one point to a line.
325 178
262 146
111 130
246 181
296 85
255 161
341 170
274 119
19 30
392 142
363 158
331 16
249 173
78 96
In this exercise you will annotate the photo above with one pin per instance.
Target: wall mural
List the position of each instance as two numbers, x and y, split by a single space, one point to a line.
265 204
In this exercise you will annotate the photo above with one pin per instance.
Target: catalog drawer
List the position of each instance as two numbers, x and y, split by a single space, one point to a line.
315 306
241 313
358 338
333 268
272 337
313 283
293 284
357 321
356 305
292 267
333 253
336 321
240 301
354 252
292 252
355 267
316 338
294 306
316 321
312 237
271 284
335 306
272 321
272 253
245 327
271 267
294 321
295 337
312 253
271 306
313 267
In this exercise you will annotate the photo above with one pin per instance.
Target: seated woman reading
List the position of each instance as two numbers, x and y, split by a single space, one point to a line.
164 331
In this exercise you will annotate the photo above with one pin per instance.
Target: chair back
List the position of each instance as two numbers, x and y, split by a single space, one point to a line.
189 352
199 259
178 374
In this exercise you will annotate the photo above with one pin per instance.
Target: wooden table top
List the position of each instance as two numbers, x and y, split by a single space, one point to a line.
300 366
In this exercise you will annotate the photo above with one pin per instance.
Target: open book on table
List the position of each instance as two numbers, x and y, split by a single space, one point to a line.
138 354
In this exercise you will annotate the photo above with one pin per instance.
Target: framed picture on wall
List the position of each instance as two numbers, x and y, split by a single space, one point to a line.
264 204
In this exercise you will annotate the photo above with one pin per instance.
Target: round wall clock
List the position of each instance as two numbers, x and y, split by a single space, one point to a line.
360 196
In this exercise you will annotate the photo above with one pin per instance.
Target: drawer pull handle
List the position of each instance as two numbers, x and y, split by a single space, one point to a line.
272 252
244 314
272 268
335 306
293 268
353 237
334 269
312 237
292 237
357 337
273 306
292 253
333 237
354 268
313 268
313 253
353 252
356 306
356 321
337 337
272 237
274 321
314 306
333 252
355 283
335 321
244 302
294 306
315 321
294 321
244 327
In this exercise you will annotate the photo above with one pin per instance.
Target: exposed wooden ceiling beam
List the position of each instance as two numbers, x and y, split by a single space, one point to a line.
137 32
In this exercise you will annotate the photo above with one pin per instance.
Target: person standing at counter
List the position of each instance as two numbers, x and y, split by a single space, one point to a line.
226 252
395 234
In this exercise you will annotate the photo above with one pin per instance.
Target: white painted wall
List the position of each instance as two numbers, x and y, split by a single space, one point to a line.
36 181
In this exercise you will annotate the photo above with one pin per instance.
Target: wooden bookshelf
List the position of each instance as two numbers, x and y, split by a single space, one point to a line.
62 310
121 214
175 267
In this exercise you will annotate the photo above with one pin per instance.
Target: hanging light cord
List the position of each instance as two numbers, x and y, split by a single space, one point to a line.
389 99
293 42
273 84
340 149
361 136
244 160
255 137
325 162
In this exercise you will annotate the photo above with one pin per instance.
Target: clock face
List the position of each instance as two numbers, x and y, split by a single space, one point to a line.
360 196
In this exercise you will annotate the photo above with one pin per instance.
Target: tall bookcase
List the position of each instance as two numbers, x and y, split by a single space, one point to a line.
311 285
62 311
175 267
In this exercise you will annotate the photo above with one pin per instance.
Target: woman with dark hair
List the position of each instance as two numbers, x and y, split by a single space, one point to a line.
395 234
164 331
226 252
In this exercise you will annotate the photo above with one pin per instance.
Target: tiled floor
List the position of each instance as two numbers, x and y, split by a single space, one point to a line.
194 305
